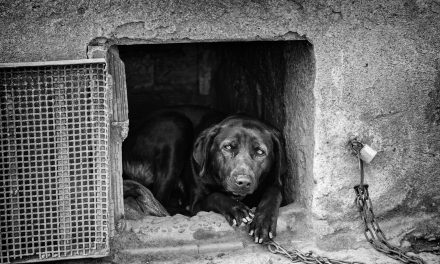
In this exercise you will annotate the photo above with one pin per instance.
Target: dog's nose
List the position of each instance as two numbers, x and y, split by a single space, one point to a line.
243 181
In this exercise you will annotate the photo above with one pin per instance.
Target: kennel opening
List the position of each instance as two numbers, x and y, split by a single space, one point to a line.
271 80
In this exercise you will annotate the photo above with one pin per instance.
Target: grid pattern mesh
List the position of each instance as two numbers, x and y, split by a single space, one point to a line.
53 162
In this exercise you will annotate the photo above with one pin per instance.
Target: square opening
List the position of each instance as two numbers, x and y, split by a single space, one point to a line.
270 80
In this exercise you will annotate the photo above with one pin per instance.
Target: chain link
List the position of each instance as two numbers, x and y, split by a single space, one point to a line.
308 258
372 231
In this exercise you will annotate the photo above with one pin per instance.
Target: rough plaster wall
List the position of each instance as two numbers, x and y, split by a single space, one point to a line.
300 107
378 88
377 68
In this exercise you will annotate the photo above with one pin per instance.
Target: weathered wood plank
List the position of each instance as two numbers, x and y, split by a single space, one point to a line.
51 63
119 128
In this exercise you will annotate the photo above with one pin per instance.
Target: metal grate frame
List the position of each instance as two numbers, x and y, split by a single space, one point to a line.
54 161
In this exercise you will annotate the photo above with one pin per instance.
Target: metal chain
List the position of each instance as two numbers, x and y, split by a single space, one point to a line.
372 231
308 258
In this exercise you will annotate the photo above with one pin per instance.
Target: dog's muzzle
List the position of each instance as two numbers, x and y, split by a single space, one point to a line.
241 184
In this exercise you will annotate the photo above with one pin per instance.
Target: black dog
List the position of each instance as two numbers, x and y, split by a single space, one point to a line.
237 163
154 155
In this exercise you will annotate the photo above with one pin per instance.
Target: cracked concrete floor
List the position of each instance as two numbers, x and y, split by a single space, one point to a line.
207 238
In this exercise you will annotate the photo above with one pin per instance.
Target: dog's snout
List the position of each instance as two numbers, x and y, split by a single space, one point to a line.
242 177
243 181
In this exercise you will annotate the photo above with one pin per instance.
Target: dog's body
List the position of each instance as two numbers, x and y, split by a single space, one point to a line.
235 164
154 155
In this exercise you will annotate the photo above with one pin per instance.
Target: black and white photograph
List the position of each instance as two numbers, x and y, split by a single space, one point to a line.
217 132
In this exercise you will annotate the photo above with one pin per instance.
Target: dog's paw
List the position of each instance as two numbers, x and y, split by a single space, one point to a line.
264 225
238 214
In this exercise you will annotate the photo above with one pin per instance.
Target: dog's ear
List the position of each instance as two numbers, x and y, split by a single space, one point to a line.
202 147
279 167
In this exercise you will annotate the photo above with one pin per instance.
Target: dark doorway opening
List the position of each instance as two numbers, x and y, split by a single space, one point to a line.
264 79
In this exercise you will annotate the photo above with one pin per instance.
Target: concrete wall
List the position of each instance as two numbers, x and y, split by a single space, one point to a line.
377 77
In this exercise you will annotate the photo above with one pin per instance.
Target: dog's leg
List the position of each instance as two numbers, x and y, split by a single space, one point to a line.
263 226
141 201
233 210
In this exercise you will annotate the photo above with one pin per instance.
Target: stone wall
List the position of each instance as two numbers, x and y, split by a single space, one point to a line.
377 77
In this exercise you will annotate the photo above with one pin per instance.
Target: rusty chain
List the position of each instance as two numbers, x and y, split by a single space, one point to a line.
374 234
297 256
372 231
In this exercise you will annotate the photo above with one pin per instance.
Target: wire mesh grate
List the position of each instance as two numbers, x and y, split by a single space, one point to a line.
54 162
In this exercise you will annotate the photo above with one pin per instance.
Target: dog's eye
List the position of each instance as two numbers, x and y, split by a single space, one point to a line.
228 147
259 152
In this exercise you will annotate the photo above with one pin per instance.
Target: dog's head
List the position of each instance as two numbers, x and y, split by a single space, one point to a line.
239 153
